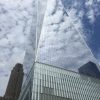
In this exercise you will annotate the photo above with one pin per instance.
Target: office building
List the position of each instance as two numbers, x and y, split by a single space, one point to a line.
60 50
47 82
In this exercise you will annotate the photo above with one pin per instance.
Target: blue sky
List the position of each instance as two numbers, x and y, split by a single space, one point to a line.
90 21
94 42
17 31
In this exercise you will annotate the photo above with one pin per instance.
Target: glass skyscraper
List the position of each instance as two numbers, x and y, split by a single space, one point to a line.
47 82
59 50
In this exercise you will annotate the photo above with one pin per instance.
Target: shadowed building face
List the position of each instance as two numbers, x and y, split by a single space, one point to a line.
90 69
15 82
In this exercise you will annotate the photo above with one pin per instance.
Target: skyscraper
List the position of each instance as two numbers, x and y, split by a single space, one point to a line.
60 51
47 82
61 43
15 82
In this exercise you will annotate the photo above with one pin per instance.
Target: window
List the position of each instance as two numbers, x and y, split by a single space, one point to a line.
27 97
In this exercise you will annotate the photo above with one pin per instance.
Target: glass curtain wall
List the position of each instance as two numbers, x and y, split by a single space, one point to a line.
57 42
31 41
61 43
39 7
52 83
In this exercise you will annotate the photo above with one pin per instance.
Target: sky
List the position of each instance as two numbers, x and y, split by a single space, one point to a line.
80 20
88 12
16 36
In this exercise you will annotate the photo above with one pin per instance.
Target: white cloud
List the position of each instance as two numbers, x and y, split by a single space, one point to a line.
89 2
76 14
52 8
91 16
92 9
82 13
3 81
16 19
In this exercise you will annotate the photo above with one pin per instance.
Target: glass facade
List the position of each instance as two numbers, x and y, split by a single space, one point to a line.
61 43
40 17
47 82
31 40
55 37
57 40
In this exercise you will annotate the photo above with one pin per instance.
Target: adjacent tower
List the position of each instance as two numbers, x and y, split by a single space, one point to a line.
15 82
90 69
